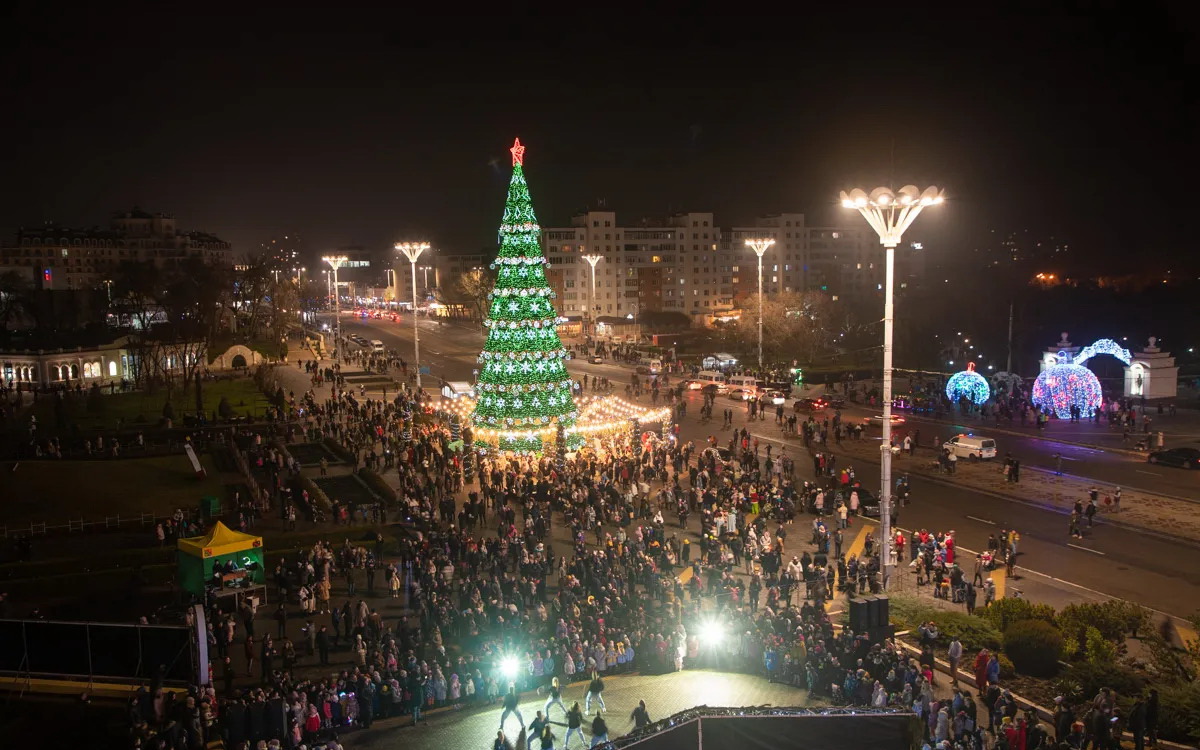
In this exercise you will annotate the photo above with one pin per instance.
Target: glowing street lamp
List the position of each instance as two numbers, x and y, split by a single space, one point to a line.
889 213
412 251
335 262
592 261
760 246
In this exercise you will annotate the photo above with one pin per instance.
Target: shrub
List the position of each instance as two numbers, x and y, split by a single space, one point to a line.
1098 649
1004 612
1092 676
1179 712
1007 670
975 633
1134 617
1034 647
1110 618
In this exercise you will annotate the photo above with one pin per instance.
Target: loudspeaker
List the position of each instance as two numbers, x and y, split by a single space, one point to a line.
860 615
879 611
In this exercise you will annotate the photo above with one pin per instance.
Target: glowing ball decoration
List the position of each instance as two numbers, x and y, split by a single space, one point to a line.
968 384
1063 386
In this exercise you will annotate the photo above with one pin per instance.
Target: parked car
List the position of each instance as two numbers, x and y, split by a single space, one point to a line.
868 504
1184 458
743 394
775 398
596 359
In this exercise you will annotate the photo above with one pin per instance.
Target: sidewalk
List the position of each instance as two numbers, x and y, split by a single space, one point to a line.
1143 511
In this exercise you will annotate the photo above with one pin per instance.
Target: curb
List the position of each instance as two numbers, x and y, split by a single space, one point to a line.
1014 499
1180 498
1038 436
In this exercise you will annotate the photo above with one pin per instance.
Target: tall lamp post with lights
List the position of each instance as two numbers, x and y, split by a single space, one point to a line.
335 262
592 261
760 246
889 213
412 251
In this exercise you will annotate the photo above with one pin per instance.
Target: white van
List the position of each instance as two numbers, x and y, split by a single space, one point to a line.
377 346
708 377
973 447
653 363
744 386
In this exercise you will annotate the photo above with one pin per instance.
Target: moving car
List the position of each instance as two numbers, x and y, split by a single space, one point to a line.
743 393
377 346
1184 458
775 398
972 447
877 420
705 378
810 404
596 359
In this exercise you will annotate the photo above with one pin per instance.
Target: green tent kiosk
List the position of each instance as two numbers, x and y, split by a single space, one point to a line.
224 561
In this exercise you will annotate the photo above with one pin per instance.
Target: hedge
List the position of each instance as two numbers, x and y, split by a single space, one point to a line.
1179 712
1090 677
974 632
344 455
1034 646
377 484
1002 613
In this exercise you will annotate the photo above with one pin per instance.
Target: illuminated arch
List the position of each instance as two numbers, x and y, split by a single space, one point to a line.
1103 346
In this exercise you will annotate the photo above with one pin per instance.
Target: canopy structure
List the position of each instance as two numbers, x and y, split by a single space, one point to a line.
224 559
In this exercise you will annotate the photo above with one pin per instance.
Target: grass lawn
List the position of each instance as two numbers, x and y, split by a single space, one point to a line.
55 492
146 408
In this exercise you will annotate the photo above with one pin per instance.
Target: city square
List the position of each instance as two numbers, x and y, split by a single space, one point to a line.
493 462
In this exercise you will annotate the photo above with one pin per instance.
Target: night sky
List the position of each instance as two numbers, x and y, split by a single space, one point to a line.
350 127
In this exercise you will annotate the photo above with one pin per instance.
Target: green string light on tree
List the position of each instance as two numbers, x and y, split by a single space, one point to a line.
523 387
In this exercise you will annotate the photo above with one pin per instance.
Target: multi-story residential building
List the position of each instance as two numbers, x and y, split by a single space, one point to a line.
688 264
449 267
64 258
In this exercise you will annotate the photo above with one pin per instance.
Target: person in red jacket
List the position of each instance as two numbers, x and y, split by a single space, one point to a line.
1014 733
981 662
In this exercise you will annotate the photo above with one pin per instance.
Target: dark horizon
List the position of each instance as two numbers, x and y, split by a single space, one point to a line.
1065 125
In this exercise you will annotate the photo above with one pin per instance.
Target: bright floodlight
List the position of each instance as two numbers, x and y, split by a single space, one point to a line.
509 667
712 633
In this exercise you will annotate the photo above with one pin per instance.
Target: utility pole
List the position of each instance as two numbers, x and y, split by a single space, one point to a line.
1008 366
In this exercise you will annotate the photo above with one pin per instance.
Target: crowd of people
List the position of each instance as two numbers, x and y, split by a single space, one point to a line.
499 606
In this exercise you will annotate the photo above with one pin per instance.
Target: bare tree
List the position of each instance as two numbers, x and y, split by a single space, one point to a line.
475 286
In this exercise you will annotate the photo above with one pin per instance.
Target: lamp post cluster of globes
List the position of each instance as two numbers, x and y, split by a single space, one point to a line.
889 212
410 250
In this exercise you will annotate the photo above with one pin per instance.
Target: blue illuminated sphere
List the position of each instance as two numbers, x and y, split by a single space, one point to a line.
1062 386
970 385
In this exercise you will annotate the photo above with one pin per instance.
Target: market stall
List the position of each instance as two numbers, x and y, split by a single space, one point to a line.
223 563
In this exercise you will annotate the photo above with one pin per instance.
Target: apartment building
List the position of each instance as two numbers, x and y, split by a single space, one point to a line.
687 264
59 257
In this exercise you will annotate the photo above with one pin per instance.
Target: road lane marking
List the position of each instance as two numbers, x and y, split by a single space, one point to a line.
1086 549
982 520
1151 473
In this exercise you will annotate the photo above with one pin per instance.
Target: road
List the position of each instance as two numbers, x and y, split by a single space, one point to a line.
1110 561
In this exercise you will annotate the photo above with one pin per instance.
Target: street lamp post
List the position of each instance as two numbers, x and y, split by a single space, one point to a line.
592 261
889 214
760 246
335 262
412 251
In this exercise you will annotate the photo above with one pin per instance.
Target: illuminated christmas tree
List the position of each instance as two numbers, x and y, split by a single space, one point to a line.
523 392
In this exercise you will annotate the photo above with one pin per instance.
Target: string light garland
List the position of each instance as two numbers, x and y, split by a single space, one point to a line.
968 384
1064 386
524 393
1103 346
597 415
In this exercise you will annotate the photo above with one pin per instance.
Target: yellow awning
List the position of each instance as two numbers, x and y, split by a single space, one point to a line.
222 540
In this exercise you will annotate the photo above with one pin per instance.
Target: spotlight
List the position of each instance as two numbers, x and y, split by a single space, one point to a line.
712 633
509 667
